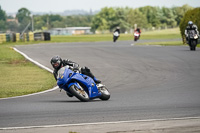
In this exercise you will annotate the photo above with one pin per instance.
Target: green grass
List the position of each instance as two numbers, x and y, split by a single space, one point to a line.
19 76
171 43
161 34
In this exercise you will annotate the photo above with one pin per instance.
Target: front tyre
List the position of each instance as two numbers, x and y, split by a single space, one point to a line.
79 93
194 43
105 93
135 38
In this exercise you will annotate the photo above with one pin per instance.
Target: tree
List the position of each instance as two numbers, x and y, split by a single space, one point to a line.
191 15
136 17
78 20
122 19
168 17
180 11
2 25
152 15
2 20
2 14
58 24
105 19
12 26
22 14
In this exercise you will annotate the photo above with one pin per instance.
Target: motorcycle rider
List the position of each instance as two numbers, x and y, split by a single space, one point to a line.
117 30
116 34
139 31
58 63
191 26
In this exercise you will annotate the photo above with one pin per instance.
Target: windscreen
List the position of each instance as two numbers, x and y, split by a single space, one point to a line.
61 72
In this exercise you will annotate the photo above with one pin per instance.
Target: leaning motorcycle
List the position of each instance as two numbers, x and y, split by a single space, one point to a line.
136 35
115 36
192 40
81 86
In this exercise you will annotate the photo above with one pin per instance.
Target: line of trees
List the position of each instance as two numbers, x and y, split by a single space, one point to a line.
107 19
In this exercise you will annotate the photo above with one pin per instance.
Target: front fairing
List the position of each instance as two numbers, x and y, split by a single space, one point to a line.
64 75
67 78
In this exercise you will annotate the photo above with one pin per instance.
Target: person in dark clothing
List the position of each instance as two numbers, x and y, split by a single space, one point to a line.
117 30
139 31
58 63
191 26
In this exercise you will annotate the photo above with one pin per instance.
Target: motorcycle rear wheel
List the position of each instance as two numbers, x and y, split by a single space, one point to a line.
79 93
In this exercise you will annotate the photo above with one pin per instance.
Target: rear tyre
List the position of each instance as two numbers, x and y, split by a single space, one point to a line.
105 93
79 93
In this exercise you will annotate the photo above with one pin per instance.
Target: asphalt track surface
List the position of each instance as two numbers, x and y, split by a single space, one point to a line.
145 82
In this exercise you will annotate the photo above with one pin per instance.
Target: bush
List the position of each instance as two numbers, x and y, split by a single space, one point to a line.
191 15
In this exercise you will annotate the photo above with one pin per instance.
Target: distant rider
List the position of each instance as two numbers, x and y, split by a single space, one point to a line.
116 34
139 31
191 26
58 63
117 30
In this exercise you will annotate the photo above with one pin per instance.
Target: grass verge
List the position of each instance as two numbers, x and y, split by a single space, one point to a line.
171 43
19 76
159 35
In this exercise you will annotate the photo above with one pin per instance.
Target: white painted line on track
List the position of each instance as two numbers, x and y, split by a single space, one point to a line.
38 64
98 123
35 62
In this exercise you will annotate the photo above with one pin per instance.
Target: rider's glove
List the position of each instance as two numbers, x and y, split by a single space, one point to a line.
76 69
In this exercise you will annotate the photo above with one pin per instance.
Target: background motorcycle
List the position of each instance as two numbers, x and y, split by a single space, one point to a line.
115 36
81 86
136 35
192 40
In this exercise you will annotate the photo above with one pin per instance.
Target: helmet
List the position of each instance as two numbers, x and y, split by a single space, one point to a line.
190 23
56 62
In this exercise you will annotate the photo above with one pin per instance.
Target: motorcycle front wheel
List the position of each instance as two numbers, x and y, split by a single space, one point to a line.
194 45
79 93
105 93
135 38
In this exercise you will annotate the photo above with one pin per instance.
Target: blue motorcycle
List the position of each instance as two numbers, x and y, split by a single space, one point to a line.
81 86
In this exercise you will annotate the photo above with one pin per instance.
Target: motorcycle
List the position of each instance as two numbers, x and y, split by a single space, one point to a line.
136 35
81 86
115 36
192 40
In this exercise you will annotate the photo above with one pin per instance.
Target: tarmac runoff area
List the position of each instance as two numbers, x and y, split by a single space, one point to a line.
174 125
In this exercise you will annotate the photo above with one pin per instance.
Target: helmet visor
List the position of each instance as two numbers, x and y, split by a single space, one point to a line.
56 64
